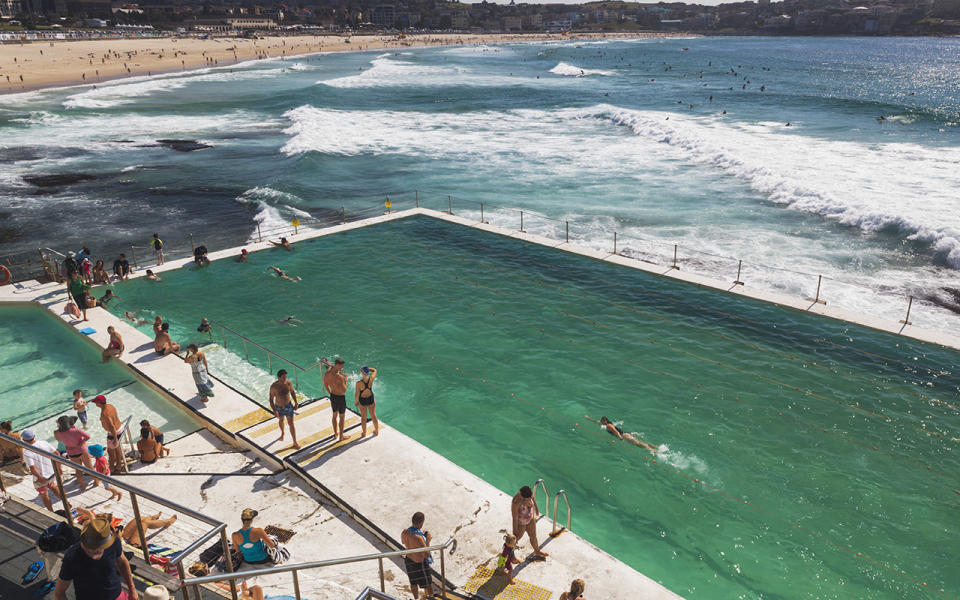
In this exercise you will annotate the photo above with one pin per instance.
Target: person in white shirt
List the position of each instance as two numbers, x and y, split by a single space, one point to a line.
41 467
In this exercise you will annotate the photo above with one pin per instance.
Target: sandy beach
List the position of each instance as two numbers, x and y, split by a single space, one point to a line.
34 65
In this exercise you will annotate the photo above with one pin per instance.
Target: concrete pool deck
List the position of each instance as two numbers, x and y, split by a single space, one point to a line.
380 481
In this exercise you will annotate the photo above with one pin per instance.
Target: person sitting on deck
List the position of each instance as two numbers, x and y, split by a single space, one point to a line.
150 449
200 255
163 345
576 591
617 431
11 453
252 541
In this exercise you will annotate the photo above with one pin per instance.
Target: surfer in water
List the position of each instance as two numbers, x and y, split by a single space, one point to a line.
283 275
617 431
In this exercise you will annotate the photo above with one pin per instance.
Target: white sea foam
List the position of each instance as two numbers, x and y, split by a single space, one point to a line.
690 464
568 70
388 71
275 208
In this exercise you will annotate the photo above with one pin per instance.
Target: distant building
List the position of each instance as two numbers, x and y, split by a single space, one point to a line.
460 20
512 23
251 23
9 8
383 16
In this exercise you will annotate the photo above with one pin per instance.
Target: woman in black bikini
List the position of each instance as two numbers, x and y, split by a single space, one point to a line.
364 401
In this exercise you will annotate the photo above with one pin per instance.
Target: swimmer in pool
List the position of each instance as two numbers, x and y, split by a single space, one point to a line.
283 243
290 321
283 275
617 431
135 319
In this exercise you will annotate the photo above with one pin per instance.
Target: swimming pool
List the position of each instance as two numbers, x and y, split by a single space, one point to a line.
42 362
798 453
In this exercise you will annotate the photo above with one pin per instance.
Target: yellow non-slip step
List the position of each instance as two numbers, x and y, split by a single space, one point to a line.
317 436
244 421
274 424
487 583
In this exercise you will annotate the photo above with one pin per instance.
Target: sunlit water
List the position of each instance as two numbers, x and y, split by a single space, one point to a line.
675 141
800 457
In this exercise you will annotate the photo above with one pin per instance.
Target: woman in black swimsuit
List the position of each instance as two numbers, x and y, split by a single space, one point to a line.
364 401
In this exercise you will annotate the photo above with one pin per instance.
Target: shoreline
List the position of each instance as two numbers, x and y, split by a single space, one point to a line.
71 63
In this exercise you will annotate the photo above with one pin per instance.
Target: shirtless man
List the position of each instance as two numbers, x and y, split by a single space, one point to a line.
525 511
115 347
283 401
114 428
417 564
617 432
335 383
163 345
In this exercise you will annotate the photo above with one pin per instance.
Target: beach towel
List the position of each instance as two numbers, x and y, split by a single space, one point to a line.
87 330
160 557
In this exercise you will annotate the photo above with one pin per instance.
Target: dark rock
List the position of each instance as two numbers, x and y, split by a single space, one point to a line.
184 145
57 179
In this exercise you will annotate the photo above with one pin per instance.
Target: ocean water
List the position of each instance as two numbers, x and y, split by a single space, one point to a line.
800 457
766 150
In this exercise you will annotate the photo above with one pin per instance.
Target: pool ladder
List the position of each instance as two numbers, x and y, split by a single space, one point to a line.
554 532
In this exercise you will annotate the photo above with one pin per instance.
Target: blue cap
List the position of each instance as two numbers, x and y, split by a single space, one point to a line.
366 370
27 435
96 450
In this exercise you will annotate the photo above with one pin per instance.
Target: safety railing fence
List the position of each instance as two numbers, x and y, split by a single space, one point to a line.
135 495
294 569
602 235
307 379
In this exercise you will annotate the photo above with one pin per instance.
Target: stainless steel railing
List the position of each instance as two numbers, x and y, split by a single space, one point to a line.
556 499
217 527
269 353
295 569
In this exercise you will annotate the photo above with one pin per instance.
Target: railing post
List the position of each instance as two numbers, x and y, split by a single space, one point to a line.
450 204
739 266
567 227
443 575
614 242
186 589
133 254
296 379
229 560
906 319
521 221
481 213
383 585
269 364
143 538
259 237
296 584
416 197
192 247
245 353
223 336
63 494
675 257
343 215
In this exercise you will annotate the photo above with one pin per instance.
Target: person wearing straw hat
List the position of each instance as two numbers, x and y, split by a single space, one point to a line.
156 592
96 566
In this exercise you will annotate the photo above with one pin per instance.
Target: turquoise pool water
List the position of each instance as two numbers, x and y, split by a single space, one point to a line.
801 457
41 363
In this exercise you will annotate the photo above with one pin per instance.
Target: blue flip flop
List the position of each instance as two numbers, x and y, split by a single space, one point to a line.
33 571
44 589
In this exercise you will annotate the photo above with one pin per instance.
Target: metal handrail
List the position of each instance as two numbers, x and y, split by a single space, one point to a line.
218 527
294 569
546 496
556 501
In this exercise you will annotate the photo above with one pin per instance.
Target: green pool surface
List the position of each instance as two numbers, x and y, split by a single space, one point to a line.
42 362
801 457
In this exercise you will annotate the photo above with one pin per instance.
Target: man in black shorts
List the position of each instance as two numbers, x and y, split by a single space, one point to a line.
335 383
417 564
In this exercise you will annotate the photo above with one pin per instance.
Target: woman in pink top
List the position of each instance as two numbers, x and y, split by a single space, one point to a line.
75 441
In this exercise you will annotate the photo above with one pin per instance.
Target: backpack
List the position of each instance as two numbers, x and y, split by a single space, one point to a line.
58 537
157 244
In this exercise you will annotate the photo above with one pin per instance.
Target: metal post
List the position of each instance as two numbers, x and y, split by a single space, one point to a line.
817 297
296 585
143 538
481 213
675 257
269 364
383 586
614 242
186 589
417 197
223 334
521 221
906 319
259 237
343 215
737 281
63 494
133 254
296 379
245 353
450 204
567 226
192 247
229 560
443 575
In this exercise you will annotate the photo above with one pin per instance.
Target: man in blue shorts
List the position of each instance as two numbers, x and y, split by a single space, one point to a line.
283 401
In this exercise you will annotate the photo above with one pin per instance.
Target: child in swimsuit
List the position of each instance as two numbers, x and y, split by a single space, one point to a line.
508 556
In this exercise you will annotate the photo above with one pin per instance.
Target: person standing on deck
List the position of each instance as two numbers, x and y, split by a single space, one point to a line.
157 244
417 564
367 403
525 511
41 467
114 428
283 401
96 566
335 383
